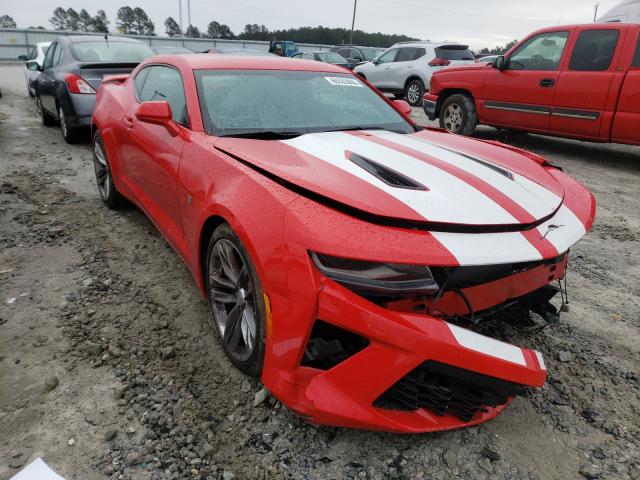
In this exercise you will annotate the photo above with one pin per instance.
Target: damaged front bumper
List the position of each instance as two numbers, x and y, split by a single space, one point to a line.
403 368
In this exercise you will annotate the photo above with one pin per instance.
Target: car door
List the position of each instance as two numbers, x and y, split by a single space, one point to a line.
378 71
522 94
152 156
46 81
627 117
403 66
582 92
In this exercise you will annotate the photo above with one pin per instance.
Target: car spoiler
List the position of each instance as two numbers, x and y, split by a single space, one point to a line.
115 79
99 65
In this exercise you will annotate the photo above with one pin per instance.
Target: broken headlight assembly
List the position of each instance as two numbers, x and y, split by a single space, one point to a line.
374 278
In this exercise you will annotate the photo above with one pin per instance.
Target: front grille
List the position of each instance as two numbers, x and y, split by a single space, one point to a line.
447 390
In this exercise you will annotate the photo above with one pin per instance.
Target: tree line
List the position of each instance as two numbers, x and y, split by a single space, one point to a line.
499 50
135 21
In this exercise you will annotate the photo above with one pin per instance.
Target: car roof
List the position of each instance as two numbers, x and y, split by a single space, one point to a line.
97 38
427 43
230 62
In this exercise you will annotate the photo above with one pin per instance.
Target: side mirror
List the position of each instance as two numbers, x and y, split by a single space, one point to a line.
158 113
33 65
402 107
500 63
22 57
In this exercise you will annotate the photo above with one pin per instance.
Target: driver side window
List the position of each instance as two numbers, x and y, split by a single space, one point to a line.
542 52
388 57
165 84
48 59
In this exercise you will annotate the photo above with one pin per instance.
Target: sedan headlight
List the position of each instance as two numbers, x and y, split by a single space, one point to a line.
377 278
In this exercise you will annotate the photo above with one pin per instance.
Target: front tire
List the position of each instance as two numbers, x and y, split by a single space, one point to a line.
458 115
110 196
413 92
236 300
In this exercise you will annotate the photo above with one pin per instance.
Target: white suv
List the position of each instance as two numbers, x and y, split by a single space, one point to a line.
405 69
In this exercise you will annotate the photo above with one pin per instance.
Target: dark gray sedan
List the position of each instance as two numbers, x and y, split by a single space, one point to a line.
72 71
323 56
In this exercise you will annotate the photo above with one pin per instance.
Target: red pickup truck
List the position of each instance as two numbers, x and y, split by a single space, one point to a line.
579 81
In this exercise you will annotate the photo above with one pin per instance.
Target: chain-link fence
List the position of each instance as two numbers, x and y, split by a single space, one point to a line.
16 41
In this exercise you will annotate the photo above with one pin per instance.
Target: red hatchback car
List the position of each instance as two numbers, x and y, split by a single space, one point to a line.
360 264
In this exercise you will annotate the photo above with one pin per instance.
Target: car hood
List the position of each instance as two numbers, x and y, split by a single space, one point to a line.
429 178
464 67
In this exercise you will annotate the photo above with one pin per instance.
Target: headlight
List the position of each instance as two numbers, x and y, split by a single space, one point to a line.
374 277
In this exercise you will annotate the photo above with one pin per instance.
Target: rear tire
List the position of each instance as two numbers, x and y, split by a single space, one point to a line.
70 134
104 179
458 115
46 119
236 300
413 92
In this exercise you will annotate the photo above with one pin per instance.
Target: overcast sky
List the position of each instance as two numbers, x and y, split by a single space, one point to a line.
479 24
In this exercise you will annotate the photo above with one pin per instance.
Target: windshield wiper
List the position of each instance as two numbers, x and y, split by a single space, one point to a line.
265 134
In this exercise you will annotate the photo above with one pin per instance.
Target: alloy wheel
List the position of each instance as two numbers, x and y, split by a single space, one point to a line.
413 93
453 117
232 298
102 169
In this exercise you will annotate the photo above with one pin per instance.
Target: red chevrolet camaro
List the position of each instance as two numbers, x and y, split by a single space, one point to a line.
366 268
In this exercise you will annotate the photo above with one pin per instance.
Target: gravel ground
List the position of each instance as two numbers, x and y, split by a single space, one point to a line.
109 367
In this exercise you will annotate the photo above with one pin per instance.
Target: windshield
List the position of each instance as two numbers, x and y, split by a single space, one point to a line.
110 51
330 57
290 102
371 53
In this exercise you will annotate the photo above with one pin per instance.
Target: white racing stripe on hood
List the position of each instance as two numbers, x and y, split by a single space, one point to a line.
539 202
563 229
488 248
449 199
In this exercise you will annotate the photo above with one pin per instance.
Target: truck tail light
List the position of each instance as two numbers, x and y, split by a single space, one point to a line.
77 84
439 62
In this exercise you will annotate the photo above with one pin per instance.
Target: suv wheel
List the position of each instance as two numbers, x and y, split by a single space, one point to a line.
458 115
413 92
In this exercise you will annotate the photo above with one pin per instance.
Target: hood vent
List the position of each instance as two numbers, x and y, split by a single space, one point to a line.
385 174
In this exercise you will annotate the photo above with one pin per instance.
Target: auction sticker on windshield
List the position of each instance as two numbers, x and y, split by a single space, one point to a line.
343 82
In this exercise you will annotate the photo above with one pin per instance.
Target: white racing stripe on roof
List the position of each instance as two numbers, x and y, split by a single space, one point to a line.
563 230
539 202
449 199
488 346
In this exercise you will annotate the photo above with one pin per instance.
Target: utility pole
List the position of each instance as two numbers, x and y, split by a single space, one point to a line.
353 21
595 12
189 12
180 15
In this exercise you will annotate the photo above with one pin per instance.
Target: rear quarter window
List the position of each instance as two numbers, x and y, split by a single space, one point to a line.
594 50
455 52
636 57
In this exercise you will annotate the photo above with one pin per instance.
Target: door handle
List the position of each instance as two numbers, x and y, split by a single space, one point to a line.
547 82
128 122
